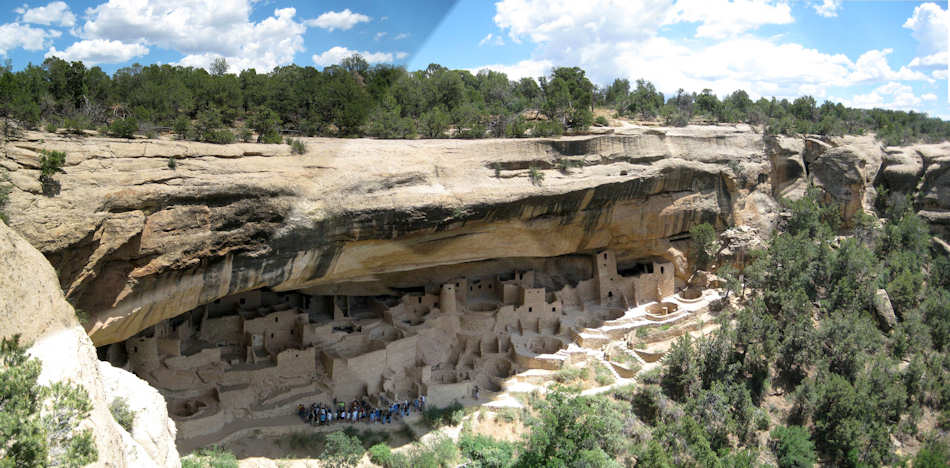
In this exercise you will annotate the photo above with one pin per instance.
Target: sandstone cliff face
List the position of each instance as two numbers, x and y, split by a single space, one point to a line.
32 304
136 242
922 173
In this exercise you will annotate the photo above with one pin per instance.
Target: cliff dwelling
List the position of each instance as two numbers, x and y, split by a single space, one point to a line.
259 354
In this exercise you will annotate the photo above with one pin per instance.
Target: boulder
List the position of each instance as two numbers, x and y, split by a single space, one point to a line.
884 310
845 173
903 167
699 279
737 243
935 187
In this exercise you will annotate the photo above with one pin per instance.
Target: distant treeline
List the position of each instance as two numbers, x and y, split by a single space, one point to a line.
356 99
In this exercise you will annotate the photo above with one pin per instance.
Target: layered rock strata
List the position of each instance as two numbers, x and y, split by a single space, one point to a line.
137 240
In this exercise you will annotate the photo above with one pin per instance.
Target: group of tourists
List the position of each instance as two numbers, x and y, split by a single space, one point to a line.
359 411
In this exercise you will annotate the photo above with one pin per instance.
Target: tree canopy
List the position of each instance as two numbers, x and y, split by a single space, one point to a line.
355 98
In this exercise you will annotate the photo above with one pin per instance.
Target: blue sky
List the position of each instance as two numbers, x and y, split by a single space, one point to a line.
889 54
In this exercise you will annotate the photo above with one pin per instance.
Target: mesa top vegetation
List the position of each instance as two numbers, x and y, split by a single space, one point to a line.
386 101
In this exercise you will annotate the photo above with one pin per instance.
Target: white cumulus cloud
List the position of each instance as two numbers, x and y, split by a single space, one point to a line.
723 18
342 20
872 65
828 8
940 58
401 36
522 69
928 25
335 55
54 13
892 95
624 39
929 97
16 35
202 30
544 21
96 51
492 39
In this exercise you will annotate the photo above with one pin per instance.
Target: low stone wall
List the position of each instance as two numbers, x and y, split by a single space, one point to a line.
442 395
203 358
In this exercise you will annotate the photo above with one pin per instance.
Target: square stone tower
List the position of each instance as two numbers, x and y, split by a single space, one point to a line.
605 267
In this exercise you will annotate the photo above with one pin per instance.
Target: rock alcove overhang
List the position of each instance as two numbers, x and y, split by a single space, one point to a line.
538 227
135 242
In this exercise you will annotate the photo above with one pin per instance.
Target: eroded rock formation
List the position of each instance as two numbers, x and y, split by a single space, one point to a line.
337 244
33 306
136 241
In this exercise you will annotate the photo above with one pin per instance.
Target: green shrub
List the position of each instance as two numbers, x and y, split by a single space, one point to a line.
438 453
496 167
381 454
651 377
122 414
595 458
943 419
51 162
485 452
565 165
172 164
438 417
646 403
568 424
602 374
706 244
51 127
272 139
181 127
208 127
297 146
341 450
245 135
506 414
124 128
221 136
934 454
601 121
434 123
266 123
536 176
792 447
303 440
212 457
546 128
761 420
568 374
517 127
5 190
76 124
